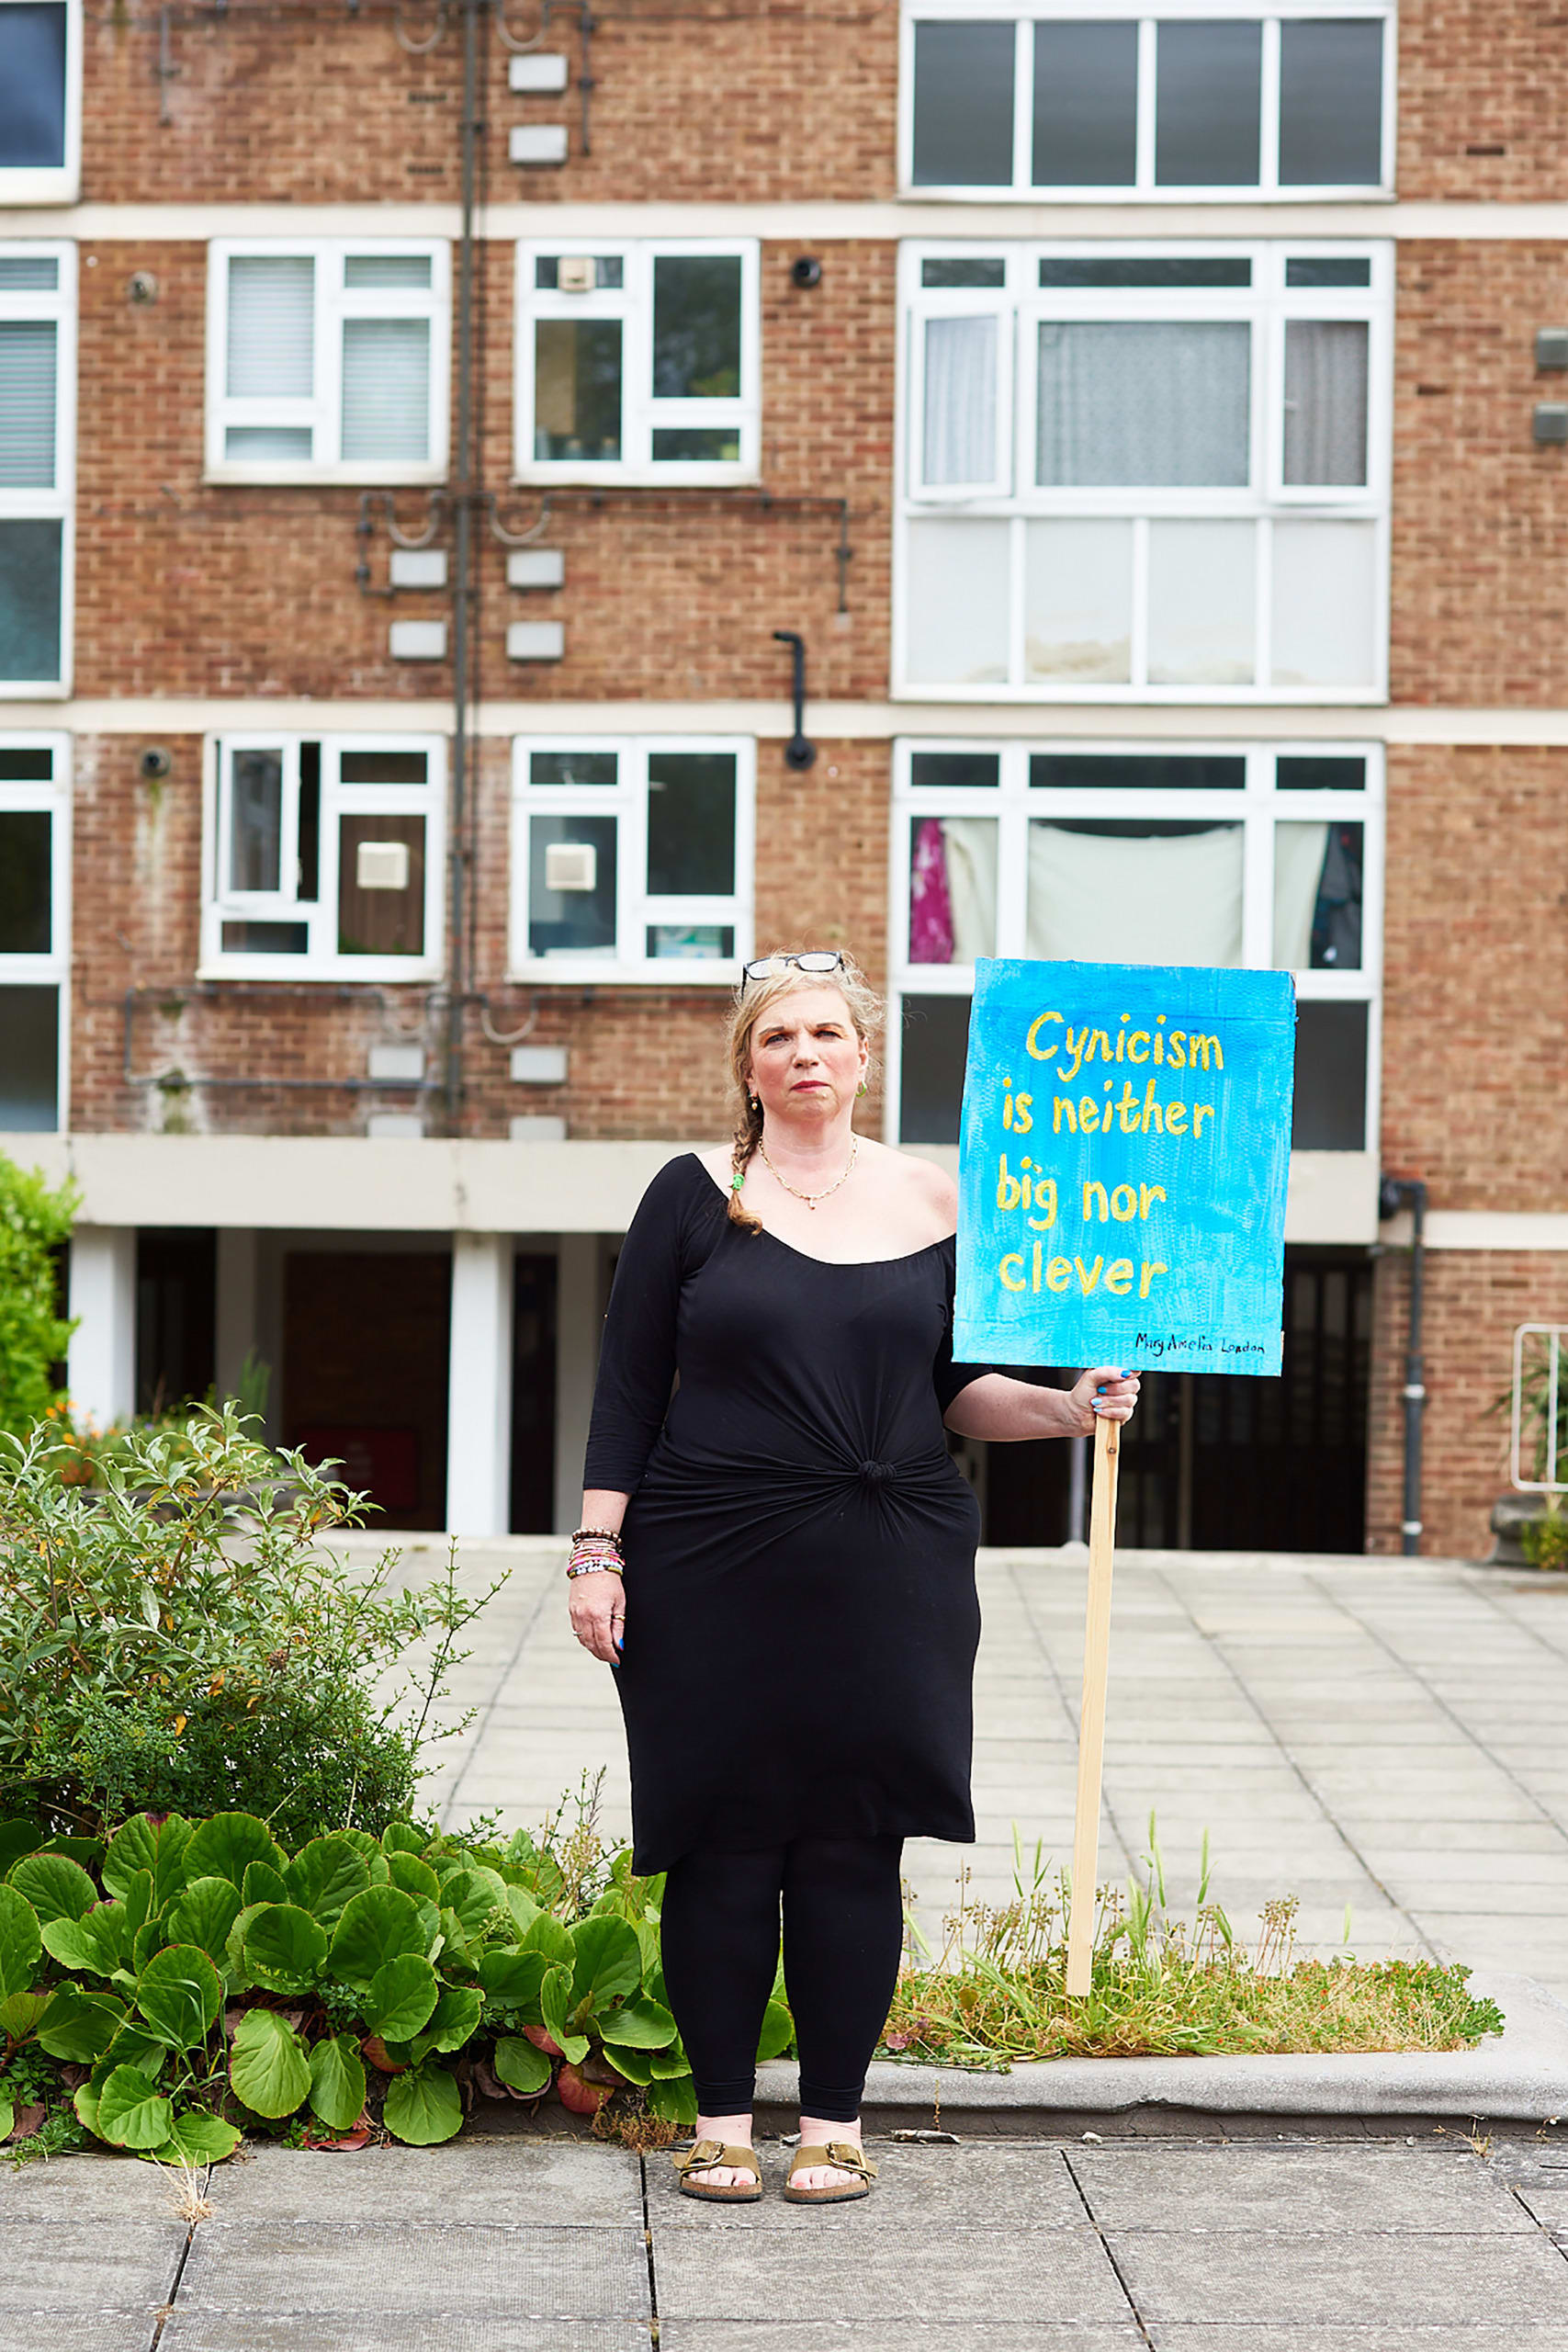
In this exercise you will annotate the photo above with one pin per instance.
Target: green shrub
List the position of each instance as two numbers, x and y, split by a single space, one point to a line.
1544 1541
177 1640
33 1221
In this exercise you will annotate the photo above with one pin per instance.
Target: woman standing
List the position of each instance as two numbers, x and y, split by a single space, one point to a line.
796 1622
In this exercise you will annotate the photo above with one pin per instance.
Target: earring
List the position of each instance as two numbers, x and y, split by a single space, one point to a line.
756 1101
861 1088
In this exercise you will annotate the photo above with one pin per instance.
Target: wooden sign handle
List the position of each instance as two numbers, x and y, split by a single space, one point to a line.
1091 1720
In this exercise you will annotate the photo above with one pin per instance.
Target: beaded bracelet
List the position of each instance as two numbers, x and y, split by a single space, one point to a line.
605 1534
589 1563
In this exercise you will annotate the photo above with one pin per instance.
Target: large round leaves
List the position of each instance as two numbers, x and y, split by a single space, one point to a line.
204 1914
269 2066
179 1992
606 1961
56 1887
401 1995
637 2025
423 2106
414 1876
521 2064
77 2026
222 1845
284 1948
162 1849
20 1944
473 1894
337 2082
199 2140
132 2111
326 1874
377 1926
555 2002
513 1978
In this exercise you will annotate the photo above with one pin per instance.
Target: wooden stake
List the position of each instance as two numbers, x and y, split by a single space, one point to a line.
1091 1720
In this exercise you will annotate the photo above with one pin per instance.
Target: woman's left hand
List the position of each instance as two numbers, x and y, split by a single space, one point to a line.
1104 1393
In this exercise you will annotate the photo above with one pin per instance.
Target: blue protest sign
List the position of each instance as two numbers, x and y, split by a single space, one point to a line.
1124 1150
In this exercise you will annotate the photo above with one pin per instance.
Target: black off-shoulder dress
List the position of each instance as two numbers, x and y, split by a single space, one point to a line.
801 1611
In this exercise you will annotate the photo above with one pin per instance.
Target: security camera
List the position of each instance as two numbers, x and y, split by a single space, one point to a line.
806 271
141 286
156 762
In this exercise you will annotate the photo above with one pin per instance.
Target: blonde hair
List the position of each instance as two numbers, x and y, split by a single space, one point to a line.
751 1003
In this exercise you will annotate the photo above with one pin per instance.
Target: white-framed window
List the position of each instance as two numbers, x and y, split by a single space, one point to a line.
1258 855
1148 473
324 857
35 931
38 464
639 362
327 359
632 857
1197 100
40 101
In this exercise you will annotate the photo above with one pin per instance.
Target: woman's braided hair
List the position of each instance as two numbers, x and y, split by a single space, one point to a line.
751 1003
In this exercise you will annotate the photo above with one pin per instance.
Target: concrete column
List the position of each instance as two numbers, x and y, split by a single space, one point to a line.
237 1289
479 1385
577 1360
101 1369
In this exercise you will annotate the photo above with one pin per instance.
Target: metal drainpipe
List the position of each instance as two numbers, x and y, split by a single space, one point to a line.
1392 1194
462 584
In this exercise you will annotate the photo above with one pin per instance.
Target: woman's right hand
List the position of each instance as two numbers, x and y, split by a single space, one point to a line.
598 1605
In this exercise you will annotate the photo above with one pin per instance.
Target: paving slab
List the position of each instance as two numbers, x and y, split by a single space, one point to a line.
1435 2336
103 2331
490 2331
362 2269
1020 2187
892 2335
538 2183
109 2187
1300 2191
78 2267
1248 2279
879 2273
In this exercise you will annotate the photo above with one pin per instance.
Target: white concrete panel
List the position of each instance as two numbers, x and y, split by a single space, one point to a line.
535 568
417 640
479 1385
101 1371
542 71
538 143
577 1361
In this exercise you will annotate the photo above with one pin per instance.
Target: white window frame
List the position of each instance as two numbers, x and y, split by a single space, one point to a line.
52 970
334 304
632 304
320 959
1266 305
626 800
57 183
58 502
1145 189
1259 807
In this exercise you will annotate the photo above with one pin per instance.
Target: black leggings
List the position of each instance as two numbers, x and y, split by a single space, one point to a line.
843 1928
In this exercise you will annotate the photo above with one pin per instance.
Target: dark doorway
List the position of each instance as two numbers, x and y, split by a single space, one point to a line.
177 1310
366 1337
532 1395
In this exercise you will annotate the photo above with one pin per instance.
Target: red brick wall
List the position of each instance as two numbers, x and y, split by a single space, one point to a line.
1479 75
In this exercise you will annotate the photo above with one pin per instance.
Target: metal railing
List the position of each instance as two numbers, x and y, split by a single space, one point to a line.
1530 1406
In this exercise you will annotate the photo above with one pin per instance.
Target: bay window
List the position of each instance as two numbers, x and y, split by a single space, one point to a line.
632 858
1259 857
35 870
325 857
1139 474
1200 98
38 377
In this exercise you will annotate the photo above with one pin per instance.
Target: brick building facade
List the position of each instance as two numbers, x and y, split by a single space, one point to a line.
1135 413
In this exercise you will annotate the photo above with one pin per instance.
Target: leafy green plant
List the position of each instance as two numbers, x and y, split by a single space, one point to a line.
1544 1541
33 1221
180 1638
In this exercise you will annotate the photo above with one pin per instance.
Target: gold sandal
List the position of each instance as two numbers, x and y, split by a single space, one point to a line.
840 2153
706 2155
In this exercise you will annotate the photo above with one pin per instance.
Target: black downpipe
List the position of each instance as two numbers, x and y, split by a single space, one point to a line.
798 751
1393 1193
462 586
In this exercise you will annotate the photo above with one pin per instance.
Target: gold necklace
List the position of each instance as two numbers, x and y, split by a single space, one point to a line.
810 1199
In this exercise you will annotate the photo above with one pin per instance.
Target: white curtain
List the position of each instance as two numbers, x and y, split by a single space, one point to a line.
1130 403
386 389
971 844
961 402
1166 899
272 307
27 403
1299 852
1326 402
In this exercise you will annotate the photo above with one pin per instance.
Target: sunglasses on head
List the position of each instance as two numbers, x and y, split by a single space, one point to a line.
815 959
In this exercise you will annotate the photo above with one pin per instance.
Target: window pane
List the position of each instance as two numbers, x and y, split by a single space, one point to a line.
272 303
32 89
1202 600
962 273
1208 96
1318 898
607 272
269 444
384 767
1313 775
1324 269
944 771
580 920
25 877
696 326
953 888
1131 402
1135 772
26 402
29 273
386 391
935 1042
380 886
696 443
30 1059
26 763
573 767
957 603
29 599
1134 891
265 939
1078 611
960 401
701 943
1330 104
1330 1111
577 388
256 821
386 269
1326 402
1086 105
691 824
1143 269
964 105
1325 601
